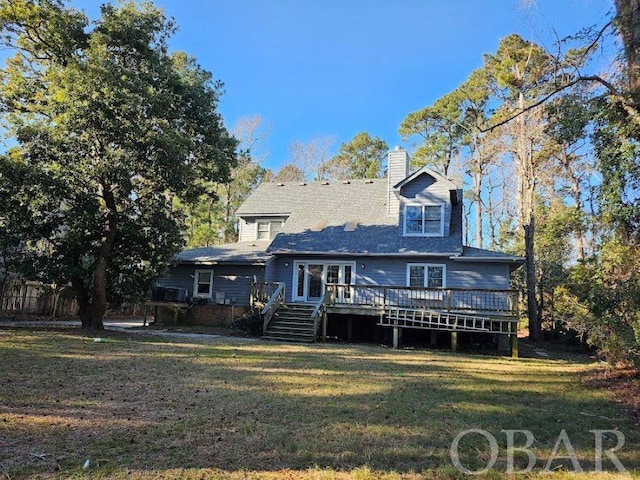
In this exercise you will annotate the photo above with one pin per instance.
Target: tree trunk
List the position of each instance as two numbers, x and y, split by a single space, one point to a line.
491 216
477 191
541 304
209 240
577 199
532 305
99 294
576 193
93 307
627 20
82 297
526 173
466 213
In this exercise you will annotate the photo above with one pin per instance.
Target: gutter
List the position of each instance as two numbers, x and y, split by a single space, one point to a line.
261 214
366 254
460 258
225 262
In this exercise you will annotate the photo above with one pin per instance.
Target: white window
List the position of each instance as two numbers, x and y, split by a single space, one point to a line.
203 284
426 275
267 229
275 227
263 230
424 220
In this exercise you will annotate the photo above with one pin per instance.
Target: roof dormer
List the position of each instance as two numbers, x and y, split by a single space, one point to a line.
260 227
426 198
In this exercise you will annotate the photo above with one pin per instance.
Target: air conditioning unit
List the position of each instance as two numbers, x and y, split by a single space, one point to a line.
157 294
175 294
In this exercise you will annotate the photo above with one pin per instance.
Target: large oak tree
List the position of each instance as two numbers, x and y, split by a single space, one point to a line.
112 128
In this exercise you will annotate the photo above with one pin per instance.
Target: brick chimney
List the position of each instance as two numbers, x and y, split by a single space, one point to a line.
397 170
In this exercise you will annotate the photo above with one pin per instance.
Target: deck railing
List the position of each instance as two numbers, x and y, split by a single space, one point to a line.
277 299
261 292
316 315
450 299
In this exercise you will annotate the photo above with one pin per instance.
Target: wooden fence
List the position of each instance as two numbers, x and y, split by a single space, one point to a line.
18 297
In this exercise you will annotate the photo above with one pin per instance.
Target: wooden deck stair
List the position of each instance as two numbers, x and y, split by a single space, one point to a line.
292 322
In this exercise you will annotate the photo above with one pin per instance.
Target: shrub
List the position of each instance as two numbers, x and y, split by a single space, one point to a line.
606 302
249 322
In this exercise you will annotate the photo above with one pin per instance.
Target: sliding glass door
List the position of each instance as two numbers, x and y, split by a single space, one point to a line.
310 278
315 283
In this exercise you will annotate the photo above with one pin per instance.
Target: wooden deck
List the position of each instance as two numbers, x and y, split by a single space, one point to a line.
450 309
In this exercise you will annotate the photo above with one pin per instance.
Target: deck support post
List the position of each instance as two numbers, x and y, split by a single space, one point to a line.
324 325
514 340
350 329
397 337
454 341
434 336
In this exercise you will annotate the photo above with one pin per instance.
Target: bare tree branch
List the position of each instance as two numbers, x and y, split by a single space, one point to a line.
631 109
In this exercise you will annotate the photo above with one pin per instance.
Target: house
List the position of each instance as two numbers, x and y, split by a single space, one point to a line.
221 274
338 243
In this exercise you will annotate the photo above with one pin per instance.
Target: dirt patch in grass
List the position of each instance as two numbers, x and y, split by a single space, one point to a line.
624 385
206 330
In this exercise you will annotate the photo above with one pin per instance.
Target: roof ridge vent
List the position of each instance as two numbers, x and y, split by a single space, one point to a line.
319 225
324 182
351 226
346 182
303 184
280 184
368 180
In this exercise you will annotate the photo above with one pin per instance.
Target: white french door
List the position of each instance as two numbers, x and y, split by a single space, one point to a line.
310 278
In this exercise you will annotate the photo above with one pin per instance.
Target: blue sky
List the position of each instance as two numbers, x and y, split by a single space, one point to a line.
339 67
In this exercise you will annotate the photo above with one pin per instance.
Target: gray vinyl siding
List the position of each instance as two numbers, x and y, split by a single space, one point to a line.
248 227
245 233
234 280
426 190
494 276
281 270
393 271
179 276
272 271
419 186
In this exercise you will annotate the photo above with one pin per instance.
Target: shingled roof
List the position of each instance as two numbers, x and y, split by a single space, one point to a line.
306 203
472 254
342 218
248 253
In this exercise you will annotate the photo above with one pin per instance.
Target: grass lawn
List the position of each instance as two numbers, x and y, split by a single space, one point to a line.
145 407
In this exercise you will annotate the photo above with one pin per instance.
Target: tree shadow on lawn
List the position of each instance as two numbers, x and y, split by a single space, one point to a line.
147 404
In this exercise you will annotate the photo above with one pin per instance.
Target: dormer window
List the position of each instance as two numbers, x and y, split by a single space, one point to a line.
424 220
268 229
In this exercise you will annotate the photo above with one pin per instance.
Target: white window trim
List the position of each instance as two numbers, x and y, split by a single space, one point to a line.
422 234
268 222
195 284
258 222
426 277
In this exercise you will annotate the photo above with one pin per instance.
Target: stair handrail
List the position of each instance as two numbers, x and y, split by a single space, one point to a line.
277 299
261 292
316 313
